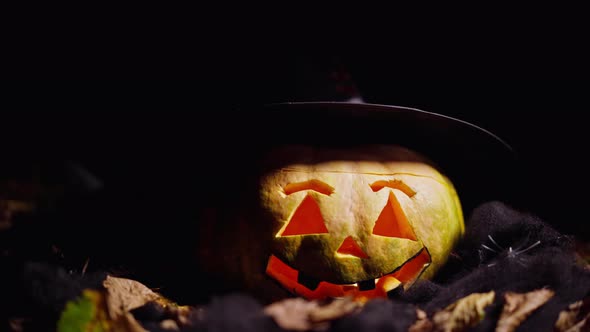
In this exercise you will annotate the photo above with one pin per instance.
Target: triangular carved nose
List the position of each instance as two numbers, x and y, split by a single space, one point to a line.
350 247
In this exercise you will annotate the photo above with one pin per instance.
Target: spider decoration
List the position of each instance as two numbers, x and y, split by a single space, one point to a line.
501 253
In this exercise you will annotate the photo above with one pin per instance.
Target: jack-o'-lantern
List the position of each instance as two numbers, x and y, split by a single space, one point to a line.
358 222
333 216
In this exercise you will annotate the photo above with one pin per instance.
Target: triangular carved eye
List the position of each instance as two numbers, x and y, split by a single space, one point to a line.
392 221
307 219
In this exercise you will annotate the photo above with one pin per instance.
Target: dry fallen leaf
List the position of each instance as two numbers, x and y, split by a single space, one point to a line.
127 323
582 253
89 312
292 314
298 314
581 326
123 295
422 323
8 208
575 317
169 324
518 306
337 308
463 313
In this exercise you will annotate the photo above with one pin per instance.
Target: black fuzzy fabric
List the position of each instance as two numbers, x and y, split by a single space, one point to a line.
528 254
474 269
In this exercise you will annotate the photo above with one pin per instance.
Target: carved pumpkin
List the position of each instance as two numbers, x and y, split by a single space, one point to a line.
330 217
357 221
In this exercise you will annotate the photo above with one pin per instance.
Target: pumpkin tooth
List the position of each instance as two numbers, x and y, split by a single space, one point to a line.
388 283
308 281
366 285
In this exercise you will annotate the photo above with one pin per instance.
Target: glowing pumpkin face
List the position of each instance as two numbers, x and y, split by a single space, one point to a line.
359 225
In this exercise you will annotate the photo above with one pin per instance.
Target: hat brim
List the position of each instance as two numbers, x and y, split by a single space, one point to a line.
482 166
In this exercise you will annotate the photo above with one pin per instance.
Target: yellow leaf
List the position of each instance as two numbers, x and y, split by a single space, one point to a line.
86 313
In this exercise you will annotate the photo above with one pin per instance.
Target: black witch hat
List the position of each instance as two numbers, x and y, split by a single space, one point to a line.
482 166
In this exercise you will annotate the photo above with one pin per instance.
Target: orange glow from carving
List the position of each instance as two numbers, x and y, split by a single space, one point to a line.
315 185
393 184
287 277
392 221
350 247
307 219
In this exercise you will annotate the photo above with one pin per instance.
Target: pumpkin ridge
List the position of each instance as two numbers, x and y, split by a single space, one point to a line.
443 182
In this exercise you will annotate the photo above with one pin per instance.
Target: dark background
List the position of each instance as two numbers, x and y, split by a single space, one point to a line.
542 115
148 112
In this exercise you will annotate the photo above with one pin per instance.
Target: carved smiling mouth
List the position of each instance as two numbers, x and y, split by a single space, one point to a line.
312 288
